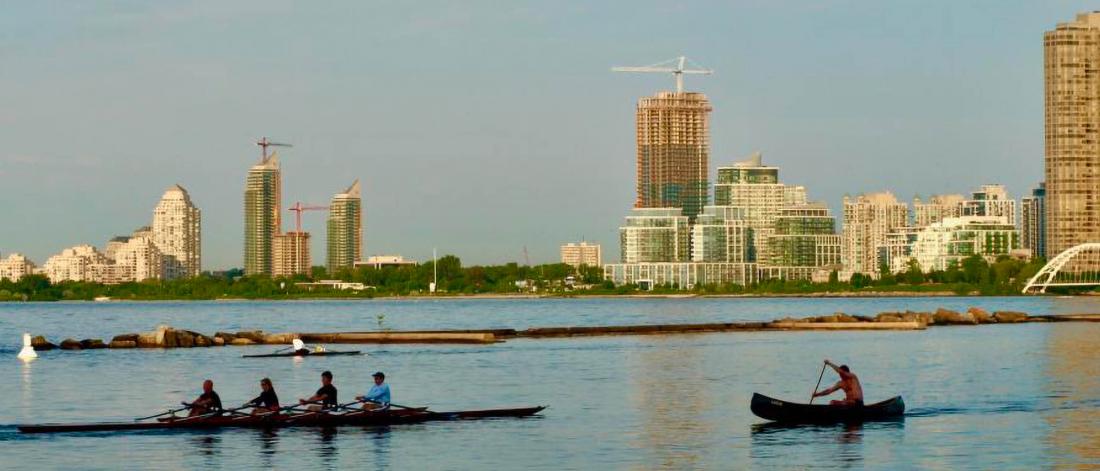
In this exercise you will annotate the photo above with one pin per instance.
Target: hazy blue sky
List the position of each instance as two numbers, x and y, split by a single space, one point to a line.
484 127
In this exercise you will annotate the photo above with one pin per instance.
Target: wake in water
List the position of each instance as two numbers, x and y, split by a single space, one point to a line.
1003 407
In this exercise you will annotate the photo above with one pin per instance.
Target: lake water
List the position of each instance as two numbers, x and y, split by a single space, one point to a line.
990 397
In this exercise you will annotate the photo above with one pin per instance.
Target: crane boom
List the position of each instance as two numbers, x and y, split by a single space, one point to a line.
299 209
673 66
264 144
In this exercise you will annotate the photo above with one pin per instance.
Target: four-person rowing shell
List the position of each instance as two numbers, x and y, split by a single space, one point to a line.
378 397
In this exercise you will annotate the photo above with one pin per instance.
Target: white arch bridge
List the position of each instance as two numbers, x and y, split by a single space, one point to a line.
1077 266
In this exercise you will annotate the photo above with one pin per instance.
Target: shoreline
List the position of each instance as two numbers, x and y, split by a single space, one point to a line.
506 296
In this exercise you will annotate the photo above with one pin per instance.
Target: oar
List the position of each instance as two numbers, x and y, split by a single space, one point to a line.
211 414
173 411
822 375
399 406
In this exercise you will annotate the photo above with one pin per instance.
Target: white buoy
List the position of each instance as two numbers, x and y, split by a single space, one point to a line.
27 352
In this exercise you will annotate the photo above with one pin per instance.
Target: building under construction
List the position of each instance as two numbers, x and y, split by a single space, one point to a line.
673 151
291 254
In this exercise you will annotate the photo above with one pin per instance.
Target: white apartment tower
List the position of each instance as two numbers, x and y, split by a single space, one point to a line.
868 219
16 266
177 233
936 209
74 264
581 253
138 260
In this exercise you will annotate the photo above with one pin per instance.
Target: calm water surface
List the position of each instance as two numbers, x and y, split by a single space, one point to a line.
995 397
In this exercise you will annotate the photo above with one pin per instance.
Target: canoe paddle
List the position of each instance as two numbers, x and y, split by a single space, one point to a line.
822 375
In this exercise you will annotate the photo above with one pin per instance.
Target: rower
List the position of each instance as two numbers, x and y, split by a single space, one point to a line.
207 402
267 401
299 347
853 392
379 395
326 395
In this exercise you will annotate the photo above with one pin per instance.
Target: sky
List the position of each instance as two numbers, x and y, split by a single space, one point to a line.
484 128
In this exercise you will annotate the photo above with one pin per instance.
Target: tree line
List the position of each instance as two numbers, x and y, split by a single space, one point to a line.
972 275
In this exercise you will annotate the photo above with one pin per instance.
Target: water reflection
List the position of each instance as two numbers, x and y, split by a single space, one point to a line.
326 447
841 444
28 391
268 446
209 448
1073 387
380 438
671 395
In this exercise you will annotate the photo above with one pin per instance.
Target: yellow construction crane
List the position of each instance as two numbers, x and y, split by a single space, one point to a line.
673 66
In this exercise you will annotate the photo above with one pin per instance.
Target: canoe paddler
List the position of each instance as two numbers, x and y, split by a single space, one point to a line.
267 401
379 395
853 392
326 395
207 402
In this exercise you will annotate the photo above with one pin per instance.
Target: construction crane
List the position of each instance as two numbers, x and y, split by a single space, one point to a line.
673 66
299 209
264 144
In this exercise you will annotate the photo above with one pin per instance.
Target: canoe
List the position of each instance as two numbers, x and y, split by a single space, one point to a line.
304 419
790 412
325 353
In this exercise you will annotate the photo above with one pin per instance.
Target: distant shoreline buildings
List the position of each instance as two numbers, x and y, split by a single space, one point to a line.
270 251
750 227
758 228
169 248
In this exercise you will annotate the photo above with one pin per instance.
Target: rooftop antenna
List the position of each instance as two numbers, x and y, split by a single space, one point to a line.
673 66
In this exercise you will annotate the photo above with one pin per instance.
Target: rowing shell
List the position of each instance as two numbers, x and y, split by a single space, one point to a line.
325 353
307 419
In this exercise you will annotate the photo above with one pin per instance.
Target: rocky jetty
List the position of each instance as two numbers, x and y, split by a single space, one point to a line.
170 337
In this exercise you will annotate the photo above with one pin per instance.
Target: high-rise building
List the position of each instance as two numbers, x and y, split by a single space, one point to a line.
950 241
291 254
138 260
1033 221
16 266
114 244
655 235
993 201
1071 66
804 236
756 189
581 253
345 229
673 151
73 264
936 209
262 218
868 219
721 235
177 232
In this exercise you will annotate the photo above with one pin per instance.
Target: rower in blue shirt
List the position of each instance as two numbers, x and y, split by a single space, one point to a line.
379 395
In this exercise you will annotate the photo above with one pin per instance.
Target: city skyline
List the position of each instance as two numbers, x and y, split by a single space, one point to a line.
418 196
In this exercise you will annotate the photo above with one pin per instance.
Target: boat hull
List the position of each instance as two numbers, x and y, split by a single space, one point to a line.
789 412
296 354
308 419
